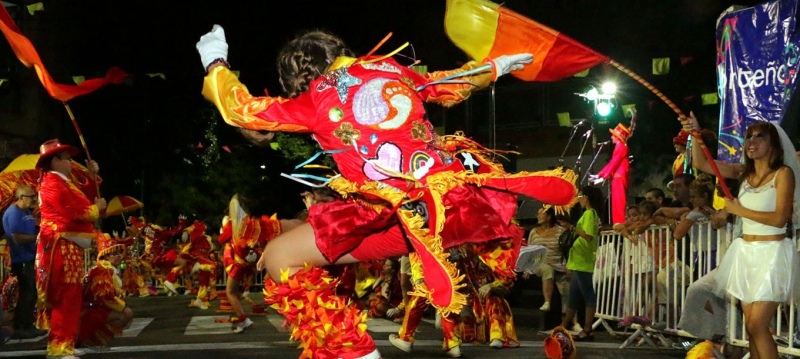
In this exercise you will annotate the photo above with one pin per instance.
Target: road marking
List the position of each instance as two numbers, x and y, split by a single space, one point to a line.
205 325
381 325
277 322
136 327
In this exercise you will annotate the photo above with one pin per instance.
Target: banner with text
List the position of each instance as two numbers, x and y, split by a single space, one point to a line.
757 54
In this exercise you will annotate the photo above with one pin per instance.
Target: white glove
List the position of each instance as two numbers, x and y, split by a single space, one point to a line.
594 179
212 46
251 257
507 63
392 312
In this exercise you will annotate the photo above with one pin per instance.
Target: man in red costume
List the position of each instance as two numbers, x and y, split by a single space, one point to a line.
104 313
616 169
679 142
67 228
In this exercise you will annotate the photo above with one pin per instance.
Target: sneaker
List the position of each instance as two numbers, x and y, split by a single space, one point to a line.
241 326
197 303
170 287
577 328
400 343
545 307
454 352
496 343
78 352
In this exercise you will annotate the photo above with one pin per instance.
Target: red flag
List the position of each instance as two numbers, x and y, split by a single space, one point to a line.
27 54
199 145
226 149
484 29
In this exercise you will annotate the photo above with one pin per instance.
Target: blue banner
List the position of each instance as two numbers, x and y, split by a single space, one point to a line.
757 54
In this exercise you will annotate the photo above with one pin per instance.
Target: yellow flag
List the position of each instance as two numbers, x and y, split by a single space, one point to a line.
563 119
583 73
420 69
274 145
661 66
158 74
78 79
33 8
2 81
626 109
710 98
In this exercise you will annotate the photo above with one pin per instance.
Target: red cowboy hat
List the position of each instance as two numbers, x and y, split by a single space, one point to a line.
52 147
621 132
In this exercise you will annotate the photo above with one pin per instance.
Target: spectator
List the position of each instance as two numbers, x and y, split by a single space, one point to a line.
656 195
21 230
553 271
680 190
581 262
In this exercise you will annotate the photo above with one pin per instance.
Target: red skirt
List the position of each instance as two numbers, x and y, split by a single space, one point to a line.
473 214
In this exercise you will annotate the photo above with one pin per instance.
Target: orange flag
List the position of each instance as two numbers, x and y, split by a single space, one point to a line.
27 54
484 29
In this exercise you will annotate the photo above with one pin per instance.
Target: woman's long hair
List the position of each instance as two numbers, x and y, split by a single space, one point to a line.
306 57
776 155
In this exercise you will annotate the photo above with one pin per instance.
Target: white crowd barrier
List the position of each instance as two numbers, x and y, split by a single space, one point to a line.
647 283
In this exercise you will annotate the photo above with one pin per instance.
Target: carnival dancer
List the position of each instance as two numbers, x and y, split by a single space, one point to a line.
761 268
195 261
104 313
399 184
415 310
617 169
67 228
158 251
244 238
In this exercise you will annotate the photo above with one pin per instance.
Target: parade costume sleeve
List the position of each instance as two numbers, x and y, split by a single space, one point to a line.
449 94
620 154
240 109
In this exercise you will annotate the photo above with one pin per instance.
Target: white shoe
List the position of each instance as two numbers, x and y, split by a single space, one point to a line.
454 352
197 303
170 287
78 352
400 343
375 354
496 343
545 307
241 326
577 328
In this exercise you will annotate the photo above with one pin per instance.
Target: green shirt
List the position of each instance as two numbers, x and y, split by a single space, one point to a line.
582 253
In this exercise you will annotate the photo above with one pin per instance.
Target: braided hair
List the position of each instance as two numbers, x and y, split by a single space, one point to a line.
306 57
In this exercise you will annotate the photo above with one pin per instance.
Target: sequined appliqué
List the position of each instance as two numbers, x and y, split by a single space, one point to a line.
383 102
419 131
388 158
347 133
339 79
335 114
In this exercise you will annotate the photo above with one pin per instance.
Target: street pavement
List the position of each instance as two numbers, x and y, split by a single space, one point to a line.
166 327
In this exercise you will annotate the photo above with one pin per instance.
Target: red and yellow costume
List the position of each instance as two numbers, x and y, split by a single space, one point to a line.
102 294
197 254
66 213
400 183
682 139
243 250
617 169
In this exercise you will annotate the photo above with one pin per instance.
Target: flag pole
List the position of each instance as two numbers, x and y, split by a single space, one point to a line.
695 133
83 143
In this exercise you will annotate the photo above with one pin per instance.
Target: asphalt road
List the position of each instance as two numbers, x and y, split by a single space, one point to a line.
167 328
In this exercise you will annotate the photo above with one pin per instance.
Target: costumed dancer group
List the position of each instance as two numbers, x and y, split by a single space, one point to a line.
401 187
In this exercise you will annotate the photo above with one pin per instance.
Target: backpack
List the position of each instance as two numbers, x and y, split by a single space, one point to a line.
565 242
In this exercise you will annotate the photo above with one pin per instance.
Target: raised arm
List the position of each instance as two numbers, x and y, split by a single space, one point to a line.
727 170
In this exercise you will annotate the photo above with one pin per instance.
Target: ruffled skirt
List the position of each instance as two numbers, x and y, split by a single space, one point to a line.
760 271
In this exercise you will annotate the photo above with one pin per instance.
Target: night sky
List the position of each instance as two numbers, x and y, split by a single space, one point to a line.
137 130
